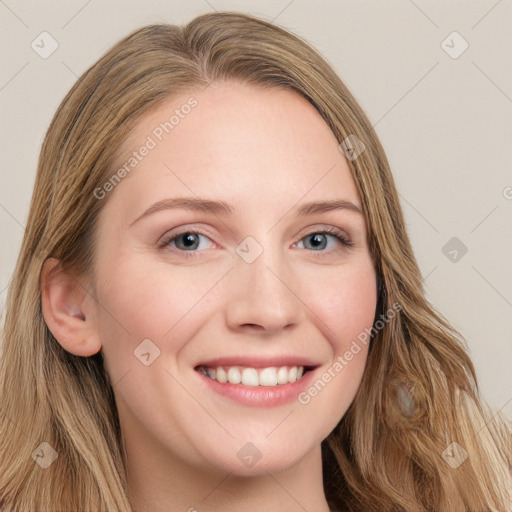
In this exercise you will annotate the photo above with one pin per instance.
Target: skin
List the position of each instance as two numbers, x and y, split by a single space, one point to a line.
265 152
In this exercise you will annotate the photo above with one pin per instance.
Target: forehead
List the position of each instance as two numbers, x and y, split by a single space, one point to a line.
233 140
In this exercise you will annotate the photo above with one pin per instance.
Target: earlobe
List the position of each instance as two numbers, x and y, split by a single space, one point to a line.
67 308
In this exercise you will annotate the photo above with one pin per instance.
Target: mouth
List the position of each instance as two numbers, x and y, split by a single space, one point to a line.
260 376
262 381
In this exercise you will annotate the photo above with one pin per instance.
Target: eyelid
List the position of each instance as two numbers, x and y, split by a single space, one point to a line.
319 228
340 234
171 235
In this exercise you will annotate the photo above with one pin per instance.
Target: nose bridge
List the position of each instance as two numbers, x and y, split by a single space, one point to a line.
262 294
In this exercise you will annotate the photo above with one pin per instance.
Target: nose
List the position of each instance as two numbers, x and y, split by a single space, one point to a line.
263 295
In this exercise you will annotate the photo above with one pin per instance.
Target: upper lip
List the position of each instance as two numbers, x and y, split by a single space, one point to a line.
260 361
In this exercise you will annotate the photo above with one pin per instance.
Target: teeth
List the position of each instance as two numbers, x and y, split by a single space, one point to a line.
282 375
271 376
268 377
234 376
250 377
221 376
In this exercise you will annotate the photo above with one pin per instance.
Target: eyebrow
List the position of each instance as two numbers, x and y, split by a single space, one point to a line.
223 208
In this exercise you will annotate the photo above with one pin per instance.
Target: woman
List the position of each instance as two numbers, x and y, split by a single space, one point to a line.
256 372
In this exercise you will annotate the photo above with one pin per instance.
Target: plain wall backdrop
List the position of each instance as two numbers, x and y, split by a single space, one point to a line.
434 78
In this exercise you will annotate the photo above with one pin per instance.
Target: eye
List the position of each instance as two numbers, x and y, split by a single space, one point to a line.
190 241
186 241
318 240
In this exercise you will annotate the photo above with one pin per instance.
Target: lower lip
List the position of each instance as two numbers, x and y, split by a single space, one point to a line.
259 396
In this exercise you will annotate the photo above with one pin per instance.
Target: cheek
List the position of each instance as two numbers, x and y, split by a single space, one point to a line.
345 300
140 301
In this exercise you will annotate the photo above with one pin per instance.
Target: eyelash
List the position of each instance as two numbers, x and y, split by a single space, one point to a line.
335 232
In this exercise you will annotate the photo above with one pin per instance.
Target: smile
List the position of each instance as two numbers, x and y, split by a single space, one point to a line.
270 376
263 380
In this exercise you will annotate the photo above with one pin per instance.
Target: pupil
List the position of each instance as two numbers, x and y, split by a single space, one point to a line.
189 239
317 240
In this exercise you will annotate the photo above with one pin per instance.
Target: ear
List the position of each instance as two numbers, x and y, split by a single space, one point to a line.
68 308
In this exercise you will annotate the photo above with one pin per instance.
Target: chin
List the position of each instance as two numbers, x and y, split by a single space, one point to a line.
259 456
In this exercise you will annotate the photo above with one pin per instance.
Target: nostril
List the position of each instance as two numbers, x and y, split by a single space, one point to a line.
253 326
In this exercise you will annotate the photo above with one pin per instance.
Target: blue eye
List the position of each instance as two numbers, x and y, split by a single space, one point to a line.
187 241
190 241
319 238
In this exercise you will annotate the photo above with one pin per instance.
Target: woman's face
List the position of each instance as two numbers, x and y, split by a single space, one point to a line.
249 289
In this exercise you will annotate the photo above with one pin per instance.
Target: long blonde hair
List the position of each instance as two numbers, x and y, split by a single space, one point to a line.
418 395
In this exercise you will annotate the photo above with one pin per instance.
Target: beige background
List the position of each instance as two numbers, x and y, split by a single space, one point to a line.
444 120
